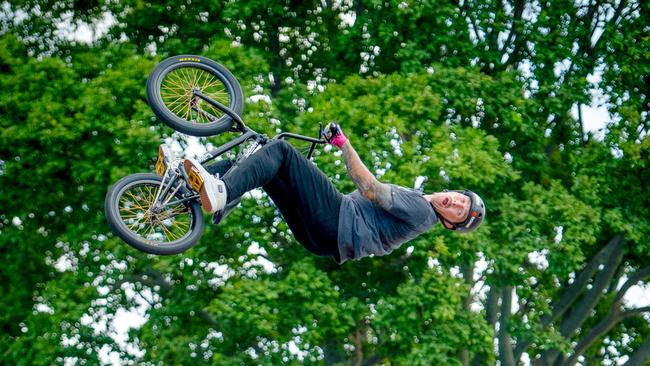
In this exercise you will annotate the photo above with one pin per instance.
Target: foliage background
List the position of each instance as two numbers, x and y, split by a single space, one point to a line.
478 94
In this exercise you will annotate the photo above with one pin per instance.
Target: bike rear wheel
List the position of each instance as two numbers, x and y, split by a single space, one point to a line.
133 216
170 93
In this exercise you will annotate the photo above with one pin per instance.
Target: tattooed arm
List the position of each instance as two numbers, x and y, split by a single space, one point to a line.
367 184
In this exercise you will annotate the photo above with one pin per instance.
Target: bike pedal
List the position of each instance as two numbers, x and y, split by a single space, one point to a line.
195 180
160 163
165 159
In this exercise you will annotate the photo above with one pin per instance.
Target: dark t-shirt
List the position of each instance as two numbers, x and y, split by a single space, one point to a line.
367 228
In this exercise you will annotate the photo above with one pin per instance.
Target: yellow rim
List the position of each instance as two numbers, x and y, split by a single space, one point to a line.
176 92
171 224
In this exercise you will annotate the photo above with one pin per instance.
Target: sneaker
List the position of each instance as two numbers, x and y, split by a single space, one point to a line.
211 189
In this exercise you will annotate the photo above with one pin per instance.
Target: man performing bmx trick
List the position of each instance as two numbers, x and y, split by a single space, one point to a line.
374 219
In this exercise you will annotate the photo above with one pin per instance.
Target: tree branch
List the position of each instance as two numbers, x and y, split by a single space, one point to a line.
139 292
572 293
582 280
598 330
571 322
613 317
634 312
472 22
574 320
617 276
631 281
207 317
581 121
617 15
514 32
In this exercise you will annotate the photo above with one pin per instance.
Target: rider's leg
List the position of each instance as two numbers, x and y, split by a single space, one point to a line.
305 187
283 199
281 159
321 240
220 167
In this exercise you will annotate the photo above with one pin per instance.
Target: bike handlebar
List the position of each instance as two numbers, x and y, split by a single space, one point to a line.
248 133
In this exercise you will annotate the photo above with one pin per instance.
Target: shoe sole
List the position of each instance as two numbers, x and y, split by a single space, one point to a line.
198 184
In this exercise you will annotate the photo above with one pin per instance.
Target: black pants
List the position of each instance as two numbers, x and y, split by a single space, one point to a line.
308 201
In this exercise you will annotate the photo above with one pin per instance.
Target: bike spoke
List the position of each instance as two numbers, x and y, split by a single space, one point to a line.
188 111
150 232
186 78
194 77
205 115
208 83
181 106
173 87
135 208
178 83
167 231
176 92
179 99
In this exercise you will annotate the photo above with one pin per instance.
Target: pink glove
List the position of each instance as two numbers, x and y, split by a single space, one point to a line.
334 135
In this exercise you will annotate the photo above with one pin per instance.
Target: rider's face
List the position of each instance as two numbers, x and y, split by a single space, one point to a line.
452 206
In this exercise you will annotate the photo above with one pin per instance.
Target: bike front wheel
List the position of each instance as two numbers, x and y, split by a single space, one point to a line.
171 93
157 225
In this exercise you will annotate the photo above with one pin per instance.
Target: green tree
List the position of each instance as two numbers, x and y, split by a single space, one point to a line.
448 94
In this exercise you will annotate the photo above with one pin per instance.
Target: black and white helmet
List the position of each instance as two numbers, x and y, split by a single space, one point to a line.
475 215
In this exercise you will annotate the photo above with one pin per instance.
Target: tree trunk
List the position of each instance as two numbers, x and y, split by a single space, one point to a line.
332 353
506 356
641 356
491 314
277 66
468 277
357 340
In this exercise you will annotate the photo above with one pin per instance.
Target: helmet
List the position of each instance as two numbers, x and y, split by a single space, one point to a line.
474 217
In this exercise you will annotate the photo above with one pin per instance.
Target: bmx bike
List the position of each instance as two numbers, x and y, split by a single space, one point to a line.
160 213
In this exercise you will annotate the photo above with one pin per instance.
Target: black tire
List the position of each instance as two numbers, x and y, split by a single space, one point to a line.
116 215
171 102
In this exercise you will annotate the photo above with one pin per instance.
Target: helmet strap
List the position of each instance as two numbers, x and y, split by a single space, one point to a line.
443 220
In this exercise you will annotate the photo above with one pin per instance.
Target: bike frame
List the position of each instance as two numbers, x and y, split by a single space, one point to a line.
246 134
